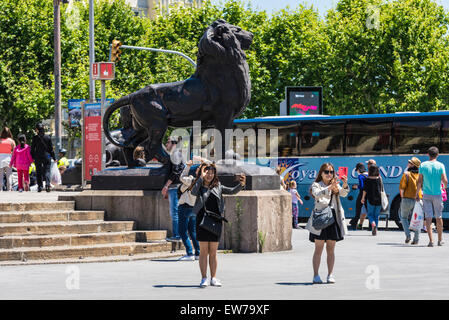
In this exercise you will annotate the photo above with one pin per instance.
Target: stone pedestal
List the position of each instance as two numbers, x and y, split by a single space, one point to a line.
259 221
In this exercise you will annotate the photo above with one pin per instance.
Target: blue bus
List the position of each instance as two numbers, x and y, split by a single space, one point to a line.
305 142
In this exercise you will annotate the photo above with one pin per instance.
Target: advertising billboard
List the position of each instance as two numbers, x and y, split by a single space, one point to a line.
304 100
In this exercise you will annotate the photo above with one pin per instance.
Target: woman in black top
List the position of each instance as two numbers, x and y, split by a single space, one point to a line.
208 191
42 153
371 190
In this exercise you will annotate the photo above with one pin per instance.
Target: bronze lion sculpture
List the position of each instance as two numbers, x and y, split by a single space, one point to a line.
218 92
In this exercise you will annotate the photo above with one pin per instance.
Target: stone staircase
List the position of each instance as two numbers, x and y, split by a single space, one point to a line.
54 232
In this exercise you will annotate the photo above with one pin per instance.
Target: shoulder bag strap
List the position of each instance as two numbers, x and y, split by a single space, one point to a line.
212 214
43 142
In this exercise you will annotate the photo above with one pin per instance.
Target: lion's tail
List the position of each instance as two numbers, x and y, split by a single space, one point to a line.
122 102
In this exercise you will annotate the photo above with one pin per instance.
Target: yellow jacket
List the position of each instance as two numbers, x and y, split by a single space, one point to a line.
408 184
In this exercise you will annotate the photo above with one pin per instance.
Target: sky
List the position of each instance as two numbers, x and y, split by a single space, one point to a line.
321 5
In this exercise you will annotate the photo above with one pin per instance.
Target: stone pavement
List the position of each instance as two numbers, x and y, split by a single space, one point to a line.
32 196
367 267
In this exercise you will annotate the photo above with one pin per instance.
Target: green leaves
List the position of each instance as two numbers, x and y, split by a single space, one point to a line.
369 56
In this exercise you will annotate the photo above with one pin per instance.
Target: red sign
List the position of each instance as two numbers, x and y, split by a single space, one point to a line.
95 75
106 70
92 140
103 70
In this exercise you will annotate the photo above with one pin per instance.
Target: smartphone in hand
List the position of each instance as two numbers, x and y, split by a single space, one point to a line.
342 172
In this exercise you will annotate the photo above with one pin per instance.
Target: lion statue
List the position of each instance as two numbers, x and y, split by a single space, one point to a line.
217 93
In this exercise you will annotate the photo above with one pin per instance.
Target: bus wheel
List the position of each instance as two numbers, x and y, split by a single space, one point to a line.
394 212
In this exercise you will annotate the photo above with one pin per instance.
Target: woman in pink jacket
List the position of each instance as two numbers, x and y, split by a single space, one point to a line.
21 160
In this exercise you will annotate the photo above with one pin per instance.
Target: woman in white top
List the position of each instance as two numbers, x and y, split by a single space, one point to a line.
327 191
186 217
7 146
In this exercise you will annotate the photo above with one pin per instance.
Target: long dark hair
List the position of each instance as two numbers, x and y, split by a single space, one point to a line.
6 133
320 172
215 182
373 171
413 169
322 168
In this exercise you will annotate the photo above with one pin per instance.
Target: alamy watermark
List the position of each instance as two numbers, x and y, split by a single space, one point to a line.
373 280
72 282
240 144
373 17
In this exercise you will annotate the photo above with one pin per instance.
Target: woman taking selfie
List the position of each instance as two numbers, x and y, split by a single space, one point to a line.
209 192
327 191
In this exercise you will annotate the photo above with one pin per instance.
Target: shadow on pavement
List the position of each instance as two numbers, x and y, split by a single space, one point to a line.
402 245
295 283
164 260
175 286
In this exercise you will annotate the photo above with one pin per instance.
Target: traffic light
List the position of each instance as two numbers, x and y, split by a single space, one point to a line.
115 50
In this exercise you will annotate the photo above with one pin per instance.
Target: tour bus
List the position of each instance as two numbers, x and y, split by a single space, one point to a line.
306 142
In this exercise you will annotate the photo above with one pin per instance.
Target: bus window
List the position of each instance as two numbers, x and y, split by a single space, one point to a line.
288 138
415 136
445 137
363 137
321 138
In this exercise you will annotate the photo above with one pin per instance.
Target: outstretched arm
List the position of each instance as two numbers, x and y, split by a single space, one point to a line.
237 188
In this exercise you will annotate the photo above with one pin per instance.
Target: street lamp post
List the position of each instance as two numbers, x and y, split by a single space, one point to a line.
57 70
91 51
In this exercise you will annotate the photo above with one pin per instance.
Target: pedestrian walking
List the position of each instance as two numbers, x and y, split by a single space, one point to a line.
372 192
209 202
187 219
170 188
7 146
295 199
21 159
432 177
326 191
360 209
407 191
42 152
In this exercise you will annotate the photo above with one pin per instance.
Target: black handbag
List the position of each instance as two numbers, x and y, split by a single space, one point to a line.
324 218
212 222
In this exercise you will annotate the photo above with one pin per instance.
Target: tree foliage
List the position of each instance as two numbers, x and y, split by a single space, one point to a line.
369 56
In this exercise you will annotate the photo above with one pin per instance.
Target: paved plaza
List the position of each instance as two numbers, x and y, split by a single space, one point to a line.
367 267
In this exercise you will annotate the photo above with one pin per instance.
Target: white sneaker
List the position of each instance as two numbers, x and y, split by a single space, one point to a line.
317 280
187 258
197 257
330 279
215 282
204 283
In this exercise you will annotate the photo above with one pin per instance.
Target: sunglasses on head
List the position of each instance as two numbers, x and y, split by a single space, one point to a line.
328 171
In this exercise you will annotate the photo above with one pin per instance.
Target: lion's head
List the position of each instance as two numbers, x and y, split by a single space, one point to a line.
224 40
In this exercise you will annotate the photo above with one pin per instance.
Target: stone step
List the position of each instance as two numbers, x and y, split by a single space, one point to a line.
80 252
38 206
144 256
49 216
9 242
151 235
70 227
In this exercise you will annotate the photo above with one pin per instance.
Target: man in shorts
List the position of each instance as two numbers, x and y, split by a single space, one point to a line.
431 174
